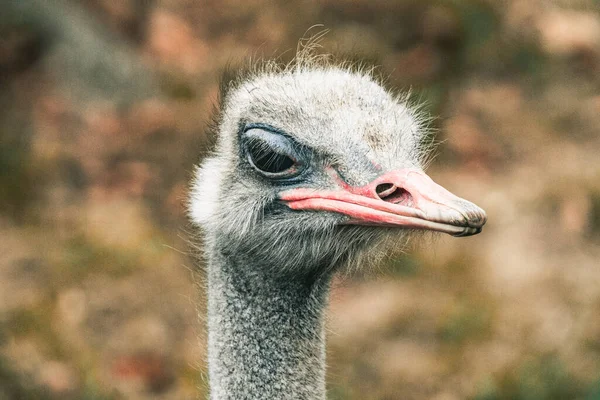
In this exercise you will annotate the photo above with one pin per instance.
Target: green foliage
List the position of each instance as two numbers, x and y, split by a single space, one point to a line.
594 393
17 387
16 177
338 393
542 378
37 322
81 257
479 22
595 215
177 88
91 391
466 321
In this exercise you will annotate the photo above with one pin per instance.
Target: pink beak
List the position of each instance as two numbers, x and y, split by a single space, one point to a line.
406 198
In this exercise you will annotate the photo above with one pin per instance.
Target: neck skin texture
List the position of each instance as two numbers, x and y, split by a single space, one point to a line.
266 336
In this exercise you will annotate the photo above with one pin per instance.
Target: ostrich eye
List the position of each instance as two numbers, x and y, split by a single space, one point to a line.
267 160
270 153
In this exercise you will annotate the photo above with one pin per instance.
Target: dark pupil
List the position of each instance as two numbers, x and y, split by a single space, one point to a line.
267 160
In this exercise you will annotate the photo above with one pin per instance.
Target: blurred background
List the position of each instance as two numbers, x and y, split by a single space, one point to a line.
103 113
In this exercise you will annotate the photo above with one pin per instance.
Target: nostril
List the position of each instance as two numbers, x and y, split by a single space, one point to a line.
393 194
385 189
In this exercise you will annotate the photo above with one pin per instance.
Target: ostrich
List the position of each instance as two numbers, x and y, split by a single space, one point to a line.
316 165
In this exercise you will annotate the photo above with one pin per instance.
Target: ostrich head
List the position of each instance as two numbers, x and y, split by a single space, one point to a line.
314 164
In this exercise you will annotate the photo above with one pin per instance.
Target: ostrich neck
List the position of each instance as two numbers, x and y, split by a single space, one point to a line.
265 334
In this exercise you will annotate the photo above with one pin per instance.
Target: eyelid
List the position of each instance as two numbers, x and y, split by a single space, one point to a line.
277 142
272 130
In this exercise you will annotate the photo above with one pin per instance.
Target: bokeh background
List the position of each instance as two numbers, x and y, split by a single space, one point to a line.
103 113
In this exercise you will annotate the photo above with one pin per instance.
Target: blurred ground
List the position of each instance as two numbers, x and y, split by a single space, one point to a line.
103 108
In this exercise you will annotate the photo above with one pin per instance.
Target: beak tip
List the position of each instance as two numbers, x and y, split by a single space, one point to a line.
474 216
480 217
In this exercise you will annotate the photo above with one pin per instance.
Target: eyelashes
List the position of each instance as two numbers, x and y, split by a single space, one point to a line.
267 159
